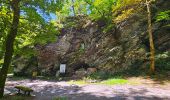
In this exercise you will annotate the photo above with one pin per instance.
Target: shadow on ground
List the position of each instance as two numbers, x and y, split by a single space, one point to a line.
48 90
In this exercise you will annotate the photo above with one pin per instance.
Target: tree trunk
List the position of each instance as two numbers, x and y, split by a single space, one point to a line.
9 45
152 49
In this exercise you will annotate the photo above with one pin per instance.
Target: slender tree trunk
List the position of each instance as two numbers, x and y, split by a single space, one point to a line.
152 49
9 45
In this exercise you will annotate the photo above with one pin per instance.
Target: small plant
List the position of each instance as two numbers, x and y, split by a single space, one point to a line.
60 98
162 61
165 15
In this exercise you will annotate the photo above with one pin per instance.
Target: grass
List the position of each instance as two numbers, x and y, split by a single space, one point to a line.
16 98
111 81
105 78
78 82
115 81
60 98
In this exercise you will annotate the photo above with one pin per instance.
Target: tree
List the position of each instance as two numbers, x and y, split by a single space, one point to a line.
5 23
9 44
152 49
101 9
29 28
123 9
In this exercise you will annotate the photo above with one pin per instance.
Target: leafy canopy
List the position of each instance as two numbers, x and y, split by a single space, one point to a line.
35 25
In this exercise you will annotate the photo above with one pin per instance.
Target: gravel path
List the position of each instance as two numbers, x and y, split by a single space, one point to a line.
46 90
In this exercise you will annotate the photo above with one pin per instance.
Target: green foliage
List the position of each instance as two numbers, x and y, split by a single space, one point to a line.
110 81
5 21
70 24
108 28
163 61
10 70
15 97
33 28
82 48
164 15
60 98
101 8
122 10
1 61
115 81
18 98
71 8
120 4
101 75
96 9
78 82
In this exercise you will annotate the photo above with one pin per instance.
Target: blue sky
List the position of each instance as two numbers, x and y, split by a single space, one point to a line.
53 16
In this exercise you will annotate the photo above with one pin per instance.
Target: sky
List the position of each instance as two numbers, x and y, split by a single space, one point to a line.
53 16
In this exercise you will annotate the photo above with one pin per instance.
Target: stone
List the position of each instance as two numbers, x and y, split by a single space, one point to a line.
6 92
91 70
24 66
81 73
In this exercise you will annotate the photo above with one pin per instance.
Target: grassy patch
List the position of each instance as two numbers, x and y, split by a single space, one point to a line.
114 81
60 98
78 82
111 81
101 75
17 98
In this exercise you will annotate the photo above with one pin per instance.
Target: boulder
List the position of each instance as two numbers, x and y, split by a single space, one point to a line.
91 70
7 92
80 73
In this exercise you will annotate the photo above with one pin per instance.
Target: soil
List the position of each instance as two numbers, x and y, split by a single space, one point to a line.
47 90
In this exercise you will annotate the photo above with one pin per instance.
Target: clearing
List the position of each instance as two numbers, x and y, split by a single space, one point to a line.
137 88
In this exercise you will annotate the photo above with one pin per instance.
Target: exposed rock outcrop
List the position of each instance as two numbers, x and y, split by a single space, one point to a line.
84 43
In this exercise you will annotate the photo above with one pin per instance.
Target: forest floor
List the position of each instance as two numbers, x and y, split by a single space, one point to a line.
144 89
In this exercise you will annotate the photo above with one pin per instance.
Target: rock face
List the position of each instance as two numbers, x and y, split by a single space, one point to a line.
84 43
87 45
24 66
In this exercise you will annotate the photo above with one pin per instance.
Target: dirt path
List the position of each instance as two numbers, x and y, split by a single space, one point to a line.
46 90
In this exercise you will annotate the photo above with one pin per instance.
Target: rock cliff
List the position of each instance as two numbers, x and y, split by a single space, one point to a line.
84 43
